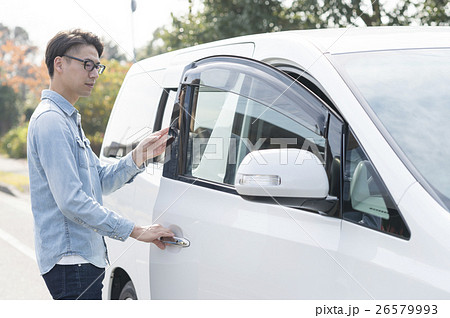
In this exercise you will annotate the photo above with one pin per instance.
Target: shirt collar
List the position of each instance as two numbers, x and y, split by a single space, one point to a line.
60 101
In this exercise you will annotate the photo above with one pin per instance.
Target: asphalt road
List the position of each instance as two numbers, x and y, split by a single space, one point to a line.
19 273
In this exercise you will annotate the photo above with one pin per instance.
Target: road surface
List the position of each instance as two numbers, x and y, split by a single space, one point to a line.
19 273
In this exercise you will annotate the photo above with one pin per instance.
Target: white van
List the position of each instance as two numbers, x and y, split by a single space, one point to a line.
305 165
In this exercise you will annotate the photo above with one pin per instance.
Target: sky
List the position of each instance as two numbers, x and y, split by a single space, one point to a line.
110 19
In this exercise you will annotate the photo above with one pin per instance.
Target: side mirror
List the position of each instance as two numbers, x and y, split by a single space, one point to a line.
287 173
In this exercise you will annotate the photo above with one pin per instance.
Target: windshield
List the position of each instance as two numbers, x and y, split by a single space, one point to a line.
409 92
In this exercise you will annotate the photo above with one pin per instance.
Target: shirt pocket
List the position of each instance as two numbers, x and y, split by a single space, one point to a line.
82 152
89 153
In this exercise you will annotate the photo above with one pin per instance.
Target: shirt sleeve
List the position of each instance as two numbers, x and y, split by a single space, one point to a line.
55 146
114 176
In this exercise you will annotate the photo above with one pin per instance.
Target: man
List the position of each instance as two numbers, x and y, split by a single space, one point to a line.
67 180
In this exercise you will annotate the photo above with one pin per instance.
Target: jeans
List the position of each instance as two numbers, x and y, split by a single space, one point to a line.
73 282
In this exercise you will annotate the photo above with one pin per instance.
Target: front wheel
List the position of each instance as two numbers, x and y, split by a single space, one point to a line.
128 292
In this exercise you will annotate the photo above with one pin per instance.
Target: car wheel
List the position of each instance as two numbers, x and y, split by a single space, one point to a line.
128 292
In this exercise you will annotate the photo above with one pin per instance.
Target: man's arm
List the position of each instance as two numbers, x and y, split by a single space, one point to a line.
55 145
114 176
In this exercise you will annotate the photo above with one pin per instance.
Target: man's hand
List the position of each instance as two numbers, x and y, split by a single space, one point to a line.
150 147
151 234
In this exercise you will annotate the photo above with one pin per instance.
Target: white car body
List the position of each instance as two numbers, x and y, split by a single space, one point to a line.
244 249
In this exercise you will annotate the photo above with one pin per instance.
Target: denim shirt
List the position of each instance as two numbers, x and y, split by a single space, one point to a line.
66 185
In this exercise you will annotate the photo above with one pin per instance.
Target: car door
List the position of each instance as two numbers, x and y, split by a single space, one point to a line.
246 248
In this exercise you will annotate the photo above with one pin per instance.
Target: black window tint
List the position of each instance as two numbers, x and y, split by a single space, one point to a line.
333 156
366 200
163 116
165 108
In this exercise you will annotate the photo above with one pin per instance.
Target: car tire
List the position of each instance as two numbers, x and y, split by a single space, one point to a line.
128 292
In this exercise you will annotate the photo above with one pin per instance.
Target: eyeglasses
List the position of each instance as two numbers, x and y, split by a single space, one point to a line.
89 65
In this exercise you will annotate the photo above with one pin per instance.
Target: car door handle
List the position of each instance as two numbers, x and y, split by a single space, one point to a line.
176 241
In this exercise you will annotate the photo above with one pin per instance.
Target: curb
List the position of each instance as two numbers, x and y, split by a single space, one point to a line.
5 188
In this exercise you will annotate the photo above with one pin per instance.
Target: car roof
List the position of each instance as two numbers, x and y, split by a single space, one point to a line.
357 39
332 41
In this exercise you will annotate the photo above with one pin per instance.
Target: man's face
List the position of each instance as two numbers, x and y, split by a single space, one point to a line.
79 82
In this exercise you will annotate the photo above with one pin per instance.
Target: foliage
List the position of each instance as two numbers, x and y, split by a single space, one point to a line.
111 51
221 19
234 18
434 12
8 109
14 143
20 182
17 66
95 109
334 13
21 79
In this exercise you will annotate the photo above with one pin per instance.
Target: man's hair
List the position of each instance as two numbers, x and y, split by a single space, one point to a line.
66 40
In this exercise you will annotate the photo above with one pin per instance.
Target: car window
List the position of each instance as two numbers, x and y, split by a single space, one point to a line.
406 94
225 127
168 108
133 115
228 107
163 116
366 200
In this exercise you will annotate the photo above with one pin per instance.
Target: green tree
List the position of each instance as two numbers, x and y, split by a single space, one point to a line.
226 18
9 113
95 109
18 68
111 51
341 13
14 143
18 35
19 72
434 12
219 19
